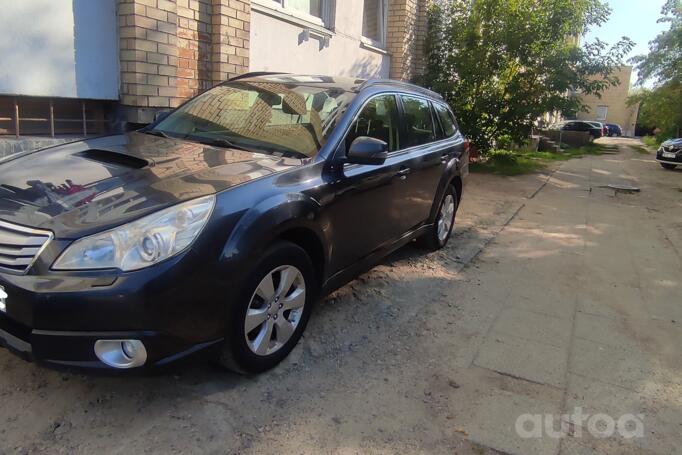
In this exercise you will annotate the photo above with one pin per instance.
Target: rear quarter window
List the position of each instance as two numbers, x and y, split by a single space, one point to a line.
447 120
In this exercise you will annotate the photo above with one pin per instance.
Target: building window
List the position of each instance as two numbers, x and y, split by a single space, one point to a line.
309 7
315 12
374 21
602 112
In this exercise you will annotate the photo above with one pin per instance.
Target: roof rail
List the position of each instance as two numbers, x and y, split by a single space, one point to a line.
407 85
255 74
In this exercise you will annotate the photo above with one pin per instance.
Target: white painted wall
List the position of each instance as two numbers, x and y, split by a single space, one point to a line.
275 47
59 48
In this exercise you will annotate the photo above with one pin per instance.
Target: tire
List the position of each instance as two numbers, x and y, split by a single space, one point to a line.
668 166
436 238
260 350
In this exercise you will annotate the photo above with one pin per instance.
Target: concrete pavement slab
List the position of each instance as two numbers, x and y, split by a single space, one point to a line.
635 371
523 358
534 326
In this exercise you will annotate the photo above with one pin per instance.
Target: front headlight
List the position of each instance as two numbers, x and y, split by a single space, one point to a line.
142 243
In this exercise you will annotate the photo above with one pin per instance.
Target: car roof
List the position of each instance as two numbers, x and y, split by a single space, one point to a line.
348 84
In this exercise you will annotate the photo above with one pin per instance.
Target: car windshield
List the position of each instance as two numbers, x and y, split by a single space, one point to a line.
264 116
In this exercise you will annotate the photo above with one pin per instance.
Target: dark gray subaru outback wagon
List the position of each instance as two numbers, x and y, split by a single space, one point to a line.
216 228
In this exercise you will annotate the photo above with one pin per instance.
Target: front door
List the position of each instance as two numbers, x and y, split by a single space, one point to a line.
366 210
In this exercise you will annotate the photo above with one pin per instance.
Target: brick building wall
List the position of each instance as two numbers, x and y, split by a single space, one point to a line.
170 50
613 102
406 32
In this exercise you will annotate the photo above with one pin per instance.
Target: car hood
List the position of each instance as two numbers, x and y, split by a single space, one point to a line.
87 186
674 142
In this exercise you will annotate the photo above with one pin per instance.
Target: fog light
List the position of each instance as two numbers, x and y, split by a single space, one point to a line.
121 353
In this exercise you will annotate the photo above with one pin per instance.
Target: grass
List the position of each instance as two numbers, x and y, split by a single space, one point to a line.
651 141
520 162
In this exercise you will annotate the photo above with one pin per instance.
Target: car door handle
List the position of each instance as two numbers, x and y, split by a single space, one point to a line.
444 158
402 173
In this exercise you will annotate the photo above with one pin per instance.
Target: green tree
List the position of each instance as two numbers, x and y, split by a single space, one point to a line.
661 107
664 60
503 63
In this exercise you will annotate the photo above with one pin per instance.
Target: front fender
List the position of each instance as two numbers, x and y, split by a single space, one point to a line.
263 223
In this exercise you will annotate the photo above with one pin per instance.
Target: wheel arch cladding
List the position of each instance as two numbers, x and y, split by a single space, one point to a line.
288 216
457 183
312 244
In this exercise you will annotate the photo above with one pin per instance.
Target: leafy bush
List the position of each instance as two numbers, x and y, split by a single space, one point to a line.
502 157
504 142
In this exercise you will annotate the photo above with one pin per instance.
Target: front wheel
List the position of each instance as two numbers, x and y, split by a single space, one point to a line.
269 317
439 233
669 166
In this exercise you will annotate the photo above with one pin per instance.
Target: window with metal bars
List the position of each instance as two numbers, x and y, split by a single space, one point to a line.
27 116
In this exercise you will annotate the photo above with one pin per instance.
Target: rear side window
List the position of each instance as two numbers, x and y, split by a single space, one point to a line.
447 121
418 121
378 119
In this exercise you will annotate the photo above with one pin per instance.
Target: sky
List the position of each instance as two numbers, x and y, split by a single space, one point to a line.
635 19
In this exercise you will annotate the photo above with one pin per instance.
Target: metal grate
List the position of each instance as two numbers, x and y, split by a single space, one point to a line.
20 246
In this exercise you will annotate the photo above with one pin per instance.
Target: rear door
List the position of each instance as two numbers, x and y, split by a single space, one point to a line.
426 153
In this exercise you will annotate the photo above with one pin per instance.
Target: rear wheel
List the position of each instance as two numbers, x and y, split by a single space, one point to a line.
439 233
668 166
272 311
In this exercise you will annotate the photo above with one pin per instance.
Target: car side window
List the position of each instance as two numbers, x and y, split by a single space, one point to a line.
418 121
378 119
446 120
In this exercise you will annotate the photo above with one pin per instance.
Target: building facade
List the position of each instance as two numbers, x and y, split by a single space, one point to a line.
79 66
611 106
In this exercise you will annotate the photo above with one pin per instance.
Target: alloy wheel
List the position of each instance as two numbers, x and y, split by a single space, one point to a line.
446 217
275 310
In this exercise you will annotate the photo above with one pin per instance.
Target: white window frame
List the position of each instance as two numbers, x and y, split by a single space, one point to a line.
383 25
280 6
605 109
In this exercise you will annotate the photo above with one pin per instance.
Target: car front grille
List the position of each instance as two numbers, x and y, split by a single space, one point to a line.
20 246
670 148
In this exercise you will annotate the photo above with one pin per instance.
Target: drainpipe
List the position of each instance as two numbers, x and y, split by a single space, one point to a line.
16 117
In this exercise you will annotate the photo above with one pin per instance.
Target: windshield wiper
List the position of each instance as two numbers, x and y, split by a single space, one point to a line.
217 142
154 132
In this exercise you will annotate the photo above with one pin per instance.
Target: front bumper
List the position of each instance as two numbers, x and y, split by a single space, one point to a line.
677 159
57 318
76 349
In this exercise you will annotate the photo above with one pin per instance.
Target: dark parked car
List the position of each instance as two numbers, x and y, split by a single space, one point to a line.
614 130
595 130
604 129
216 228
670 154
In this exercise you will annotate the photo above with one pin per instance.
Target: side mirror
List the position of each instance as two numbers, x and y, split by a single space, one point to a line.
161 115
367 150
